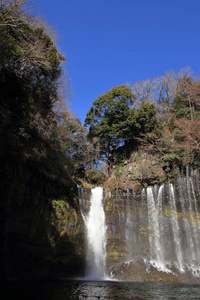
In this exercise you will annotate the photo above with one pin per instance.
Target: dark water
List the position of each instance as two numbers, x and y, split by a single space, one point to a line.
92 290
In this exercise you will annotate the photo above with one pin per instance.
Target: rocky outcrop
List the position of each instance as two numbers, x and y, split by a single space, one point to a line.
141 167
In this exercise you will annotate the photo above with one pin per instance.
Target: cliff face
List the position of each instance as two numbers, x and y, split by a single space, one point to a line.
42 228
153 233
141 167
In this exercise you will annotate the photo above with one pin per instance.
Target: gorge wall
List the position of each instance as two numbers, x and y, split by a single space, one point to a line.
142 167
153 232
41 225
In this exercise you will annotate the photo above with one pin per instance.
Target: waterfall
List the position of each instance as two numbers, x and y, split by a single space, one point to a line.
128 225
189 249
175 229
157 227
96 236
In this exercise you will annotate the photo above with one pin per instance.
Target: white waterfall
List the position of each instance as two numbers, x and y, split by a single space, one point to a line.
189 195
96 236
189 248
175 228
155 227
158 226
129 232
194 265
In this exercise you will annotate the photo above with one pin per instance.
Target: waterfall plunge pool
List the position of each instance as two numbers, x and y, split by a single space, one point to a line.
91 290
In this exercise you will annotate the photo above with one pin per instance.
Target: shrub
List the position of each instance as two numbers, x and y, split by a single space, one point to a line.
95 176
170 161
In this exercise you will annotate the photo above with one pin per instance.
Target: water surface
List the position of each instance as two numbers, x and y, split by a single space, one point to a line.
92 290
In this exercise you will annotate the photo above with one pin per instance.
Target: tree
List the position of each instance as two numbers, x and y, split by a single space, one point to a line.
30 71
115 124
145 118
160 91
165 87
144 92
187 137
175 133
74 144
31 80
187 101
110 120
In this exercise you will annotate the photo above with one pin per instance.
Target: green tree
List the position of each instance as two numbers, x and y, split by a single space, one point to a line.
145 118
109 119
115 123
30 71
31 78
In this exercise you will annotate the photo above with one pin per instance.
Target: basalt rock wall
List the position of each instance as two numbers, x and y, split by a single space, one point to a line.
41 225
141 167
153 233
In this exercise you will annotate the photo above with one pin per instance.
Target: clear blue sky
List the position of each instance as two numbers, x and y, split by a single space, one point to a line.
112 42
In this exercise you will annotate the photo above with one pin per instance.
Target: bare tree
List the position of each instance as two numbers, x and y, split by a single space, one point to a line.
144 92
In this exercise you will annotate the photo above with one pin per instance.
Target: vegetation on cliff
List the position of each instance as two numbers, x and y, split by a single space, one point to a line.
39 139
115 124
36 124
176 138
159 116
37 127
43 145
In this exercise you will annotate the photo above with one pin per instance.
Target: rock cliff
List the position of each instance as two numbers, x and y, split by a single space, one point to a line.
153 232
141 167
42 228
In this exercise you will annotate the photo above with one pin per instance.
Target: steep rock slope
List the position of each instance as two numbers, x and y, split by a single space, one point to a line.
153 232
141 167
41 225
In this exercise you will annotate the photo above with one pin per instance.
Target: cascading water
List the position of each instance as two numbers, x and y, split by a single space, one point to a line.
189 191
175 229
96 236
160 227
154 200
157 228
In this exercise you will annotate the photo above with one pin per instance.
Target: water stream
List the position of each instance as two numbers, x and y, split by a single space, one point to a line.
160 227
96 237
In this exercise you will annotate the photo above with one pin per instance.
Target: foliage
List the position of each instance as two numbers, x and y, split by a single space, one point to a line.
109 115
170 161
196 159
145 118
187 102
175 136
30 69
159 91
74 143
161 115
120 155
187 136
34 127
181 109
95 176
114 123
